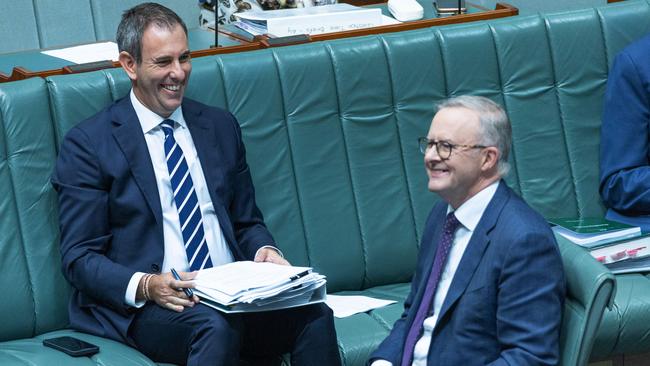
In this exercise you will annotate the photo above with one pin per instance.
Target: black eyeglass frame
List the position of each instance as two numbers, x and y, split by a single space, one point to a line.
425 144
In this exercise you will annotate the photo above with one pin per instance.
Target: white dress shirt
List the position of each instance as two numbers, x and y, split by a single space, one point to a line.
468 214
175 256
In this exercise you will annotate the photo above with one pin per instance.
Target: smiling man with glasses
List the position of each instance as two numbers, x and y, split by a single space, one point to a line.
489 285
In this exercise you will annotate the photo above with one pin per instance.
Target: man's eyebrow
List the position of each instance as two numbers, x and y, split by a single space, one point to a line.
168 58
161 59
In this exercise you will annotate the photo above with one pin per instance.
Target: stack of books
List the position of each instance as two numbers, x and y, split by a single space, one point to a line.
252 287
620 247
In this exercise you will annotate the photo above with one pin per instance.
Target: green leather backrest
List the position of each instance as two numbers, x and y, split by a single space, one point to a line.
107 14
18 32
33 24
35 292
64 22
330 130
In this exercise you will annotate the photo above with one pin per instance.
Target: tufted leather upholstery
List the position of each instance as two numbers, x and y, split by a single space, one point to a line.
330 130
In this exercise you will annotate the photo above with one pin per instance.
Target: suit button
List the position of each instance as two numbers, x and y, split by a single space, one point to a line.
155 268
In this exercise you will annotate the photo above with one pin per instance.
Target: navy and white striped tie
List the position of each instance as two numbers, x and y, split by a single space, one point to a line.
187 203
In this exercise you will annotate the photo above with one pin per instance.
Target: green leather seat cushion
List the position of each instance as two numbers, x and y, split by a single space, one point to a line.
32 352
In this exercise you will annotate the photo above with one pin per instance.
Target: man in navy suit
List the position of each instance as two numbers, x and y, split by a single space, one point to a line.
625 137
489 286
156 181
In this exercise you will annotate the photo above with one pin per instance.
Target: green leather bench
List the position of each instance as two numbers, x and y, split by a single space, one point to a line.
330 130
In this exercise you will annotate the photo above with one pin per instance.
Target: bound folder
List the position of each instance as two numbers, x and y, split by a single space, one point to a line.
252 287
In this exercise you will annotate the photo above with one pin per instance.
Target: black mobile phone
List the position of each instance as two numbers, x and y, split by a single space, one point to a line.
72 346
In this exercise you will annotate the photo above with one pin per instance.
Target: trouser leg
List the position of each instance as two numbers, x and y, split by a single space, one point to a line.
307 332
196 336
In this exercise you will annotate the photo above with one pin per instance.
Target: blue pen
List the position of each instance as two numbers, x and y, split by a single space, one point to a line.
188 291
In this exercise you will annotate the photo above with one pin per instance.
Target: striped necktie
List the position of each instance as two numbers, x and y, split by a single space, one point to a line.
187 203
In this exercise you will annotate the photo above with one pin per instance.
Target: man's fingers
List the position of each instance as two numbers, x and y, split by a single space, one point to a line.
177 301
187 276
176 308
175 284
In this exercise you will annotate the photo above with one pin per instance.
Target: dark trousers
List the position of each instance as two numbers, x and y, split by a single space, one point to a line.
204 336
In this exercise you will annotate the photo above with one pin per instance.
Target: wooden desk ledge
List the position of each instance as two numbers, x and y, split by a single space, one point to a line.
501 10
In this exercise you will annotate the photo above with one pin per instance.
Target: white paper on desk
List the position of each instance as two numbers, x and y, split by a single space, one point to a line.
386 20
87 53
344 306
311 20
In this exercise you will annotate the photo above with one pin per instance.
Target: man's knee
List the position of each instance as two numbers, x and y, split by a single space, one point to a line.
216 339
318 312
220 329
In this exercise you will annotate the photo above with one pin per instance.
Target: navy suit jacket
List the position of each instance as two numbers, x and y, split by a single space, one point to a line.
505 301
110 212
625 137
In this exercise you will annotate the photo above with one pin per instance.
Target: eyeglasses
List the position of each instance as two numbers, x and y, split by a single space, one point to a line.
443 148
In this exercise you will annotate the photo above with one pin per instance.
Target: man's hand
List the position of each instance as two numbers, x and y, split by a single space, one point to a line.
270 255
168 292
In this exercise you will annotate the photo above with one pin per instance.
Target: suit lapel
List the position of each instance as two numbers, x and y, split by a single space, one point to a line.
129 136
475 248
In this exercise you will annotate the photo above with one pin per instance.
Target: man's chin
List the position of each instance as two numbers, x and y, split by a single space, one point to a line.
436 186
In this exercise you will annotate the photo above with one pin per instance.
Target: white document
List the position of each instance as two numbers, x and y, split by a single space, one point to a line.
386 20
250 286
344 306
312 20
236 277
87 53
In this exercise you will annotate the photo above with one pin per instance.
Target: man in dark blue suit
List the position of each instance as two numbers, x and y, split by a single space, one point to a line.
156 181
489 285
625 137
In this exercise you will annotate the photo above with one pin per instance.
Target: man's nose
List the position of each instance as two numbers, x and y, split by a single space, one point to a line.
432 154
177 71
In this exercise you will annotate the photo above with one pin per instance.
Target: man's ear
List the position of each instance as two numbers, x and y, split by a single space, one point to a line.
128 64
490 158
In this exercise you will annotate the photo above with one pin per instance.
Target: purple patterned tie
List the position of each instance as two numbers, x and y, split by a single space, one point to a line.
451 224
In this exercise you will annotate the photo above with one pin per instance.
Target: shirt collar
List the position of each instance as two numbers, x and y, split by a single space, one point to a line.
149 119
471 211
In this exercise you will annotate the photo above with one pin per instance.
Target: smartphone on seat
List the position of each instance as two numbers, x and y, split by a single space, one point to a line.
72 346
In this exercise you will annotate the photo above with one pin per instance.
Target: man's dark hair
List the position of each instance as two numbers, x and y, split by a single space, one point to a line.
136 20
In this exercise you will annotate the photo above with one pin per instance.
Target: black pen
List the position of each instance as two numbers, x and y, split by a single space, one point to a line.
187 291
299 275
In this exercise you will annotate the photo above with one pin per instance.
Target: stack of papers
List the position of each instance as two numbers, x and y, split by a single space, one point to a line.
250 287
312 20
593 232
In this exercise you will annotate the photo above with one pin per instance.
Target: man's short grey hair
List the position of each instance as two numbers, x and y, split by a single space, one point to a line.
137 19
495 126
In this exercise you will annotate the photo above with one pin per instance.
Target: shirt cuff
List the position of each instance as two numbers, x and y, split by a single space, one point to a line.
381 363
269 247
132 289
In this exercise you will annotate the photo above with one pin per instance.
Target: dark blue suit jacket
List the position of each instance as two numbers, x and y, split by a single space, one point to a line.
110 213
625 137
505 302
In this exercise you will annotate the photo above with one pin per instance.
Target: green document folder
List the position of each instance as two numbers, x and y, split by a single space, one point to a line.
591 231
